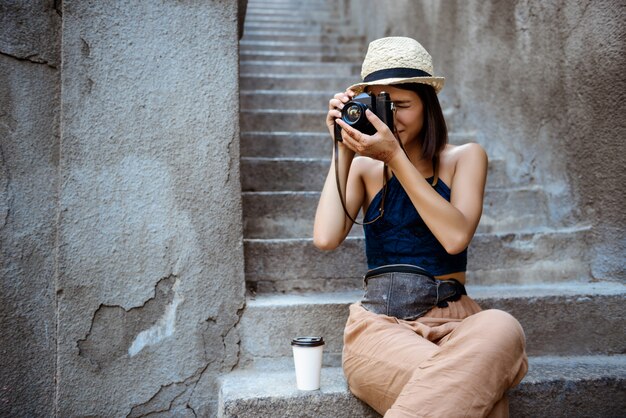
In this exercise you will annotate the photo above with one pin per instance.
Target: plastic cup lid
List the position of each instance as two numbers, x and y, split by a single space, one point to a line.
308 341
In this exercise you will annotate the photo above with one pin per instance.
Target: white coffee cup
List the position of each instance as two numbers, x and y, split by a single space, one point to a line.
307 357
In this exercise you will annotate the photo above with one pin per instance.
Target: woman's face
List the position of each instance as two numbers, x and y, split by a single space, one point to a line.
409 117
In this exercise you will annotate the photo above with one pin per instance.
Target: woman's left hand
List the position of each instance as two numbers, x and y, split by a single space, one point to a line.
381 146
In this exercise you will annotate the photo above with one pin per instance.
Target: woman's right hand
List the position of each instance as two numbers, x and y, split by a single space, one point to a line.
331 224
334 109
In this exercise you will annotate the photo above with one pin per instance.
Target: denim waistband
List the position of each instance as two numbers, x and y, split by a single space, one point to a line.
407 292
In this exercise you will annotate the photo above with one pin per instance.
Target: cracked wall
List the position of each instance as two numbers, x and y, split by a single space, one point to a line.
150 242
116 332
29 141
541 83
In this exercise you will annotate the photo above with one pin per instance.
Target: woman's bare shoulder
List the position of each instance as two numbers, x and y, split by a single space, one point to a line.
470 153
469 150
366 166
469 159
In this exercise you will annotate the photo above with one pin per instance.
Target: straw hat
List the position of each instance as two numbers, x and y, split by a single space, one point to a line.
397 60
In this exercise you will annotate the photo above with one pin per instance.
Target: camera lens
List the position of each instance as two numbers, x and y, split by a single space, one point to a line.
353 113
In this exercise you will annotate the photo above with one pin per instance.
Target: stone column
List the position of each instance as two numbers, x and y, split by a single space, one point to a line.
29 146
150 237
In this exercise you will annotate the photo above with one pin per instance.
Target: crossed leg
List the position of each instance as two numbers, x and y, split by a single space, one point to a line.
400 373
470 372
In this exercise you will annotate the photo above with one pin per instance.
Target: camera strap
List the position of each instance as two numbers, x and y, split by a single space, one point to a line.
381 209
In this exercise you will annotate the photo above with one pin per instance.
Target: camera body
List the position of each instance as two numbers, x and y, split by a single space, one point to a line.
353 113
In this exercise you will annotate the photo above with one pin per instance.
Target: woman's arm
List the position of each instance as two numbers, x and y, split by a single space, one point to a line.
331 224
452 223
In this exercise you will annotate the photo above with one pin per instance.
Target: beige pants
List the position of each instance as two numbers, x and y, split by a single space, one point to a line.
452 362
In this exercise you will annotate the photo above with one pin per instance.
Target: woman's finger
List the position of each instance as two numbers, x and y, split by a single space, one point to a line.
379 125
349 141
335 103
355 137
343 97
334 114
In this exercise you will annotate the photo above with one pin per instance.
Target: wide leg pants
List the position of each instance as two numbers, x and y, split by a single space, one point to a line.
456 361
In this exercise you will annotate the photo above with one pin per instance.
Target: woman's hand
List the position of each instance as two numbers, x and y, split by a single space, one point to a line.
382 146
334 109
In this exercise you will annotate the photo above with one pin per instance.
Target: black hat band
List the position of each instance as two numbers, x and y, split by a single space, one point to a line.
395 73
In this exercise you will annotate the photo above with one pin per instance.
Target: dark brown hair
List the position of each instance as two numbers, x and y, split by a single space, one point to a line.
434 134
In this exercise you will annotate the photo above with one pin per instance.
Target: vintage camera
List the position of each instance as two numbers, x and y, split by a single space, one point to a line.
353 113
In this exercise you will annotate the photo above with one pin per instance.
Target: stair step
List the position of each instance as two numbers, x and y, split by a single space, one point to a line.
289 26
293 81
253 394
571 318
291 214
308 174
287 7
293 67
299 110
285 144
580 386
301 119
282 215
297 18
285 265
274 102
287 174
318 11
333 25
295 4
305 36
514 209
311 47
316 145
313 17
294 27
298 56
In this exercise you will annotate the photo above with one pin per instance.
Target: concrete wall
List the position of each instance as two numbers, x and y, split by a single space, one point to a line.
29 156
542 84
150 234
120 204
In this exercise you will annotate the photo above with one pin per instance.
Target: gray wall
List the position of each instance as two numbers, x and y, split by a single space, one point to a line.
542 84
122 254
29 156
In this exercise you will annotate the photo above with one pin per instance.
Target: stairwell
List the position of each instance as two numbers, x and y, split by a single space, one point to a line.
292 60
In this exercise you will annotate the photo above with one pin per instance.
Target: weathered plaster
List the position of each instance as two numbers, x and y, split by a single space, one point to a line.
29 142
116 332
30 31
150 239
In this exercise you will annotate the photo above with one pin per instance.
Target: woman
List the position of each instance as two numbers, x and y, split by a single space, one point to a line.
454 359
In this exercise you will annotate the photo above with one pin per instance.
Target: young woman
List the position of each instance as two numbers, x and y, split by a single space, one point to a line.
451 359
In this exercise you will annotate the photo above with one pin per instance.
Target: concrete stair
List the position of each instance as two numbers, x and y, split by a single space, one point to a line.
557 318
294 56
508 209
312 68
580 386
294 264
264 146
263 174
